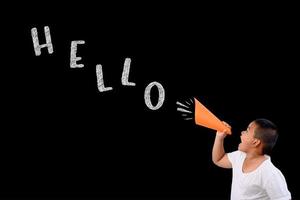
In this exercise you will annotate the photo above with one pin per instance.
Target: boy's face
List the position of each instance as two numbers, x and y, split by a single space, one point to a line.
248 140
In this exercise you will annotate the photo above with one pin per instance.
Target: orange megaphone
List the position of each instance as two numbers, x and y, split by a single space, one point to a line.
207 119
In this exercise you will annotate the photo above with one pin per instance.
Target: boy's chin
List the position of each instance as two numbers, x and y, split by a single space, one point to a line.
240 148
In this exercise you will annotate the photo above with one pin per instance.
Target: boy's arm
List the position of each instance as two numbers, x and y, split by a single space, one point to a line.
219 156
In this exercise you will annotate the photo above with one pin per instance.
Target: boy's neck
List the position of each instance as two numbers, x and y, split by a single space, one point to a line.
254 154
252 161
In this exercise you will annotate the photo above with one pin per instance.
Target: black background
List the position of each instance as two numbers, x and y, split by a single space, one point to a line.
63 138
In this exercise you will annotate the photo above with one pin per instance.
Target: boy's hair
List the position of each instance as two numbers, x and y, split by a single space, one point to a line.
266 131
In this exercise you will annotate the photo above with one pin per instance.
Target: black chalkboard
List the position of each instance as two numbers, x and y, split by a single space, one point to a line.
64 137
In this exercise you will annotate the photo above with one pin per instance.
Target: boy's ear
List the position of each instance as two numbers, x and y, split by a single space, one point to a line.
256 142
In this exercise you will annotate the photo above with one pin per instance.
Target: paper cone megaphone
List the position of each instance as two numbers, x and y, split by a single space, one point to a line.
207 119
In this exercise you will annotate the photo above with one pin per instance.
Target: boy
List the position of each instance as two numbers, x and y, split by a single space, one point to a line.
253 176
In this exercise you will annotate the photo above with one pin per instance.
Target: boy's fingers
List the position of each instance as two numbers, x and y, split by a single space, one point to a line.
226 124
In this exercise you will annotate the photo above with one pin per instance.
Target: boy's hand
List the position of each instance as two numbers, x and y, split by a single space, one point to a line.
223 134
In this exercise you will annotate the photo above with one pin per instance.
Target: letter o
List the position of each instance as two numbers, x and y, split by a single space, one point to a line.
161 95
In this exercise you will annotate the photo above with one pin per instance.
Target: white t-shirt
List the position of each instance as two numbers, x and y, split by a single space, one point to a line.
265 182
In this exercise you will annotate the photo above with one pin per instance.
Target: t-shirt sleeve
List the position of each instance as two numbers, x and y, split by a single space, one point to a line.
276 186
234 157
